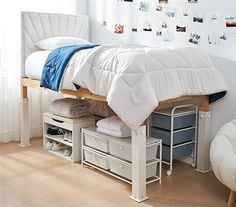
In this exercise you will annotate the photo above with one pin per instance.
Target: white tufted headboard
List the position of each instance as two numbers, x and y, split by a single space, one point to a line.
38 26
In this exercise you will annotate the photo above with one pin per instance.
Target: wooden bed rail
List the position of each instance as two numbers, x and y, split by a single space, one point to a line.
85 93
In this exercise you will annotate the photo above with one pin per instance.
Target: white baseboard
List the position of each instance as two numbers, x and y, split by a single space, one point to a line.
188 160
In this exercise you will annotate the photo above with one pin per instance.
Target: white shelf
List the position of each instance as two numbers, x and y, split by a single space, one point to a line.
58 138
149 180
183 111
60 153
114 157
72 125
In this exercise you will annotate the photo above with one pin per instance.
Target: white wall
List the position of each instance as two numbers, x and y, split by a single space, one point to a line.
225 110
81 7
128 14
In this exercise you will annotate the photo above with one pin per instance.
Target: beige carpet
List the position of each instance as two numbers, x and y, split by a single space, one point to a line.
32 177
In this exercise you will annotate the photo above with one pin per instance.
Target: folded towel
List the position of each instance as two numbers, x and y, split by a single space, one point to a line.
69 107
114 133
114 123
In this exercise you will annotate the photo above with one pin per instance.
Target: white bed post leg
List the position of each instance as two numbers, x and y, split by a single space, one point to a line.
139 164
203 141
24 119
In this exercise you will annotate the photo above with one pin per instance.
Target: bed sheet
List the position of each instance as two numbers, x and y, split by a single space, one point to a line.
34 64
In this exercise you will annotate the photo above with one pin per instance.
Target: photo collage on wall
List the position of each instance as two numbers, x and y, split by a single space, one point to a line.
230 21
181 19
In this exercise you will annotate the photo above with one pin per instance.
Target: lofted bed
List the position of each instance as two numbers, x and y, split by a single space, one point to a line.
38 26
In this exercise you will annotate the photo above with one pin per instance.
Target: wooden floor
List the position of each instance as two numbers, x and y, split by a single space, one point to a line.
31 177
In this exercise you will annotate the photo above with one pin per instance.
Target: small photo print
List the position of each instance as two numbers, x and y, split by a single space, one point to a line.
180 28
144 6
159 7
198 19
163 1
147 26
192 1
186 13
119 29
170 12
213 39
104 23
129 0
214 17
134 29
158 33
164 25
230 21
194 38
223 36
168 36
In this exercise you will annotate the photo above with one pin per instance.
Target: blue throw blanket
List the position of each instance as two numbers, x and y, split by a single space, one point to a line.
55 65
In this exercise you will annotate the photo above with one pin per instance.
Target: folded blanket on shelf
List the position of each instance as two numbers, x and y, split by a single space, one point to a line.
99 108
114 124
114 133
69 107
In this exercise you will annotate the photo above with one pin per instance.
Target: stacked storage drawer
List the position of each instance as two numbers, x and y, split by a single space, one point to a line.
114 154
96 148
121 157
183 131
121 148
96 158
124 169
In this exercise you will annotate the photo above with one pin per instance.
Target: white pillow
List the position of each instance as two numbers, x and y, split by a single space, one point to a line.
56 42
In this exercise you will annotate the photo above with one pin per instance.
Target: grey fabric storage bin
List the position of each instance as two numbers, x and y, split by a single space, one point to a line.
178 136
121 148
164 121
96 158
177 152
124 168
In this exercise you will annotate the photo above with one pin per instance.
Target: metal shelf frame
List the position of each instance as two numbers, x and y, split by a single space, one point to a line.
172 132
151 180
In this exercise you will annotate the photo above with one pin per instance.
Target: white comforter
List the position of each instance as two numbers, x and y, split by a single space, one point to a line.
134 78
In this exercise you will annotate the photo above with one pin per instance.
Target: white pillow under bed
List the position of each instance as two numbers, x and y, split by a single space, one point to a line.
34 64
56 42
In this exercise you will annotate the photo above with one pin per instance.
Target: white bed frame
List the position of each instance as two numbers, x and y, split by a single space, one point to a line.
38 26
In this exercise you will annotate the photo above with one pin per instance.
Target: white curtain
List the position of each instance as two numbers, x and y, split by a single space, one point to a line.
10 66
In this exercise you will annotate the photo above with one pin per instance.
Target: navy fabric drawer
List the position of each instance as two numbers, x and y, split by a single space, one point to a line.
164 121
178 136
177 152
